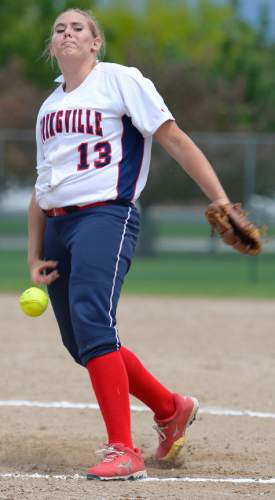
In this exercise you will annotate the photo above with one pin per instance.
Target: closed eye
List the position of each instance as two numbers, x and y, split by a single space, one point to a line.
60 28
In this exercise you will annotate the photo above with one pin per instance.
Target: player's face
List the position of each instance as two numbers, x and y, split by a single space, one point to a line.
72 38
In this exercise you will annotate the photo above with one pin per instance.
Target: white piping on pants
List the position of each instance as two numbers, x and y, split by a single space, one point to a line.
116 270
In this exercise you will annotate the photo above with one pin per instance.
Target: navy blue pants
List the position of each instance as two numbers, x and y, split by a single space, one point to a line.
94 248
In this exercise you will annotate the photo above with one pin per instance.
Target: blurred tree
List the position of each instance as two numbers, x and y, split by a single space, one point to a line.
235 5
215 71
203 59
161 32
245 58
26 28
25 73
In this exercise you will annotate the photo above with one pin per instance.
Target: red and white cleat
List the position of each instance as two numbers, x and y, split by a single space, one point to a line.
119 462
172 430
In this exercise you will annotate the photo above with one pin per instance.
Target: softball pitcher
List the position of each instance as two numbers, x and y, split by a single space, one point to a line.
94 136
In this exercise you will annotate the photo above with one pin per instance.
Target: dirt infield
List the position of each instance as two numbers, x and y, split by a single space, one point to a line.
220 351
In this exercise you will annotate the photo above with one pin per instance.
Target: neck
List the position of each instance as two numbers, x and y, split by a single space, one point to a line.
75 75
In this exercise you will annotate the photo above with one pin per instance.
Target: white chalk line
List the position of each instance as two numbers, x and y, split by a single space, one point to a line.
76 477
207 410
94 406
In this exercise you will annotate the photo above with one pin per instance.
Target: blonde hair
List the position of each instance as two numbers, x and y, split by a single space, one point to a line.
94 28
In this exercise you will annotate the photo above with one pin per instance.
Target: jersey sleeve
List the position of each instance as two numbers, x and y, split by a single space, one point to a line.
142 102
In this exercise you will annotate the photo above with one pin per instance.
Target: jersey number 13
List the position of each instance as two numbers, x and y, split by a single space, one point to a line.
104 150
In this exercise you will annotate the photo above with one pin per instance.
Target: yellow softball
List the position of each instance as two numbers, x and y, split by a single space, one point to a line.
33 301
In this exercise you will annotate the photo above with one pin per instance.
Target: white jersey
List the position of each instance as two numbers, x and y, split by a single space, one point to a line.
94 143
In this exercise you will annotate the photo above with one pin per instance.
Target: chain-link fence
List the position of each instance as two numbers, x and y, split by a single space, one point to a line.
171 205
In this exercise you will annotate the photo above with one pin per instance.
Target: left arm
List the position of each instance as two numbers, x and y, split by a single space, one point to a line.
192 160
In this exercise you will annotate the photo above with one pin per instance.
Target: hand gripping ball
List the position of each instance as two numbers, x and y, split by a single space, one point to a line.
33 301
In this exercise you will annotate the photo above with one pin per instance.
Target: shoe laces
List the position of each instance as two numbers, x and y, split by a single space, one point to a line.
160 430
109 453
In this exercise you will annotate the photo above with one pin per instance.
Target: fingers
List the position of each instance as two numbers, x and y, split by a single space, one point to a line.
44 279
39 275
48 264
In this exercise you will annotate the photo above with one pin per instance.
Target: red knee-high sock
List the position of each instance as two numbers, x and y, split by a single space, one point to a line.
110 383
147 388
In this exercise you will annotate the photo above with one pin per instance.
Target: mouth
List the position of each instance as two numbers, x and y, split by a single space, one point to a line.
68 44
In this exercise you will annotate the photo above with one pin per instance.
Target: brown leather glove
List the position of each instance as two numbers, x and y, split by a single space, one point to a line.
231 223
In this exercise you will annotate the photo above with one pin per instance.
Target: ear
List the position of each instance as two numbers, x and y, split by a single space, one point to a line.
97 42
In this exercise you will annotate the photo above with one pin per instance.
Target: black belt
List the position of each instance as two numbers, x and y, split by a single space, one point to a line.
56 212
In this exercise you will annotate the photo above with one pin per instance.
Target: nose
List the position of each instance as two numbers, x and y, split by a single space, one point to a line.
67 32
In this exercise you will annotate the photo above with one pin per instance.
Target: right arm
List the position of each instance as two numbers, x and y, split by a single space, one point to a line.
37 266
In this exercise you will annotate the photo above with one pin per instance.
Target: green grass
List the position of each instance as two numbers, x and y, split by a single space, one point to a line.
176 229
179 275
13 271
16 225
13 225
204 276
